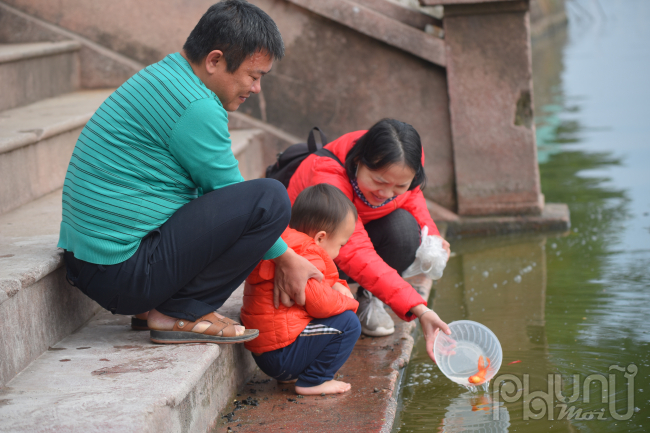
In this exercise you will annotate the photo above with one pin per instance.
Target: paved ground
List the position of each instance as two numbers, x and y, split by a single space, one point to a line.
373 370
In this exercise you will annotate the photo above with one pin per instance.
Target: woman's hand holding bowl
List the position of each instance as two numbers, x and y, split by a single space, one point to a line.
431 324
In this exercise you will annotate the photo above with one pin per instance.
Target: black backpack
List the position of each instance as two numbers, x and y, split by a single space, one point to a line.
289 160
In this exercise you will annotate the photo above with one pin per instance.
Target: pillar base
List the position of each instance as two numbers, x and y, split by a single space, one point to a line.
554 217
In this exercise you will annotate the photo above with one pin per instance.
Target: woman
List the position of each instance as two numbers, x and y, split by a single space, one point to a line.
381 173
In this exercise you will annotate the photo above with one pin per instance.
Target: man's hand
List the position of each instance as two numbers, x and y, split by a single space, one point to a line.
342 290
291 275
431 325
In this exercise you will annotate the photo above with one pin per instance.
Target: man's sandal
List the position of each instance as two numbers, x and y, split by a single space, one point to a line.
221 330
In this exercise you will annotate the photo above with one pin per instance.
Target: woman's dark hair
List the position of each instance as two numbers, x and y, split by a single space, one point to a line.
320 207
237 28
389 141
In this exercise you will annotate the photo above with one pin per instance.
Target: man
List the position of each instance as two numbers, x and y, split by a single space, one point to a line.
156 215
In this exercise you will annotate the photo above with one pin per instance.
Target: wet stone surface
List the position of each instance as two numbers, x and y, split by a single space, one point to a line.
372 369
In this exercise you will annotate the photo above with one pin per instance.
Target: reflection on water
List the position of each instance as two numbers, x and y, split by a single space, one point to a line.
570 310
475 413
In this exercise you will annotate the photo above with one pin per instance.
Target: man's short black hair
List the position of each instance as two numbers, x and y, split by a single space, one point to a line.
238 29
320 207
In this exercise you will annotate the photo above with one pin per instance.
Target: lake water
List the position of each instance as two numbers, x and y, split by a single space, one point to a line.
572 308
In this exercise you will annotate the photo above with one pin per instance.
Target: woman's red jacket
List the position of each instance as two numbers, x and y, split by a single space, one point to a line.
280 327
358 258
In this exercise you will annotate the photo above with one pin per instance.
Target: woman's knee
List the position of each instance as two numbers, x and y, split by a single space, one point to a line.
397 231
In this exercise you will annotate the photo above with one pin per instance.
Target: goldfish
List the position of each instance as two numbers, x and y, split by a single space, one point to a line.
479 377
480 403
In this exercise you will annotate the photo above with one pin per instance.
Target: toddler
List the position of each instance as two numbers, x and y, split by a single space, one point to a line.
307 344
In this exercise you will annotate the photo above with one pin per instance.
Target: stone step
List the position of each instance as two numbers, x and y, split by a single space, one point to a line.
248 147
99 67
36 142
37 306
265 147
30 72
109 378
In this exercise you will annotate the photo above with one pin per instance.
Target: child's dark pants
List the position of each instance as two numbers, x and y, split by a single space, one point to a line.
317 354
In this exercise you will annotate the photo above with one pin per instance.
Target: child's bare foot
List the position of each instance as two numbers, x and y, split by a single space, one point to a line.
329 387
288 381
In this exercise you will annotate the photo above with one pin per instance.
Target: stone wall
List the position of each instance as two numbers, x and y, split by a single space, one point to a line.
332 76
342 77
341 80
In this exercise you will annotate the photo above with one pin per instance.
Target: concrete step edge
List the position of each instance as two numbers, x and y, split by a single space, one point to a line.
119 58
242 138
108 378
381 27
28 238
38 129
37 306
243 121
250 147
555 217
22 51
19 238
34 136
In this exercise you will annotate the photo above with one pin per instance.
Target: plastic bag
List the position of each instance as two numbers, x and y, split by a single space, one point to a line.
430 258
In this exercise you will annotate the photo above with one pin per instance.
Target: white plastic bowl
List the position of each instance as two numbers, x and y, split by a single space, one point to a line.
457 354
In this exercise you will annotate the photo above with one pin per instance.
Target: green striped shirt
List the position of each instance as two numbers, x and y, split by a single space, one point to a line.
160 140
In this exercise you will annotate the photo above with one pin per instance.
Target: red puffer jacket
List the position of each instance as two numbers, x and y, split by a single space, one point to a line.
358 258
280 327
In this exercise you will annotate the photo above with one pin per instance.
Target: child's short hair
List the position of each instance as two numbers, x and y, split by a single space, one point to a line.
320 207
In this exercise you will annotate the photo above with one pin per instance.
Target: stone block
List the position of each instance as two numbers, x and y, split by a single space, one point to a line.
256 149
36 142
247 147
367 20
554 217
36 317
341 80
490 99
37 306
332 76
273 140
403 12
109 378
33 171
33 71
99 67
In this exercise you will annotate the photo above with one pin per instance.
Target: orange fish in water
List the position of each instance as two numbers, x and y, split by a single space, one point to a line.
480 403
479 377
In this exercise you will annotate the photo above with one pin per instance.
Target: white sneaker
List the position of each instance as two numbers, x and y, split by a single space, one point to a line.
374 319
